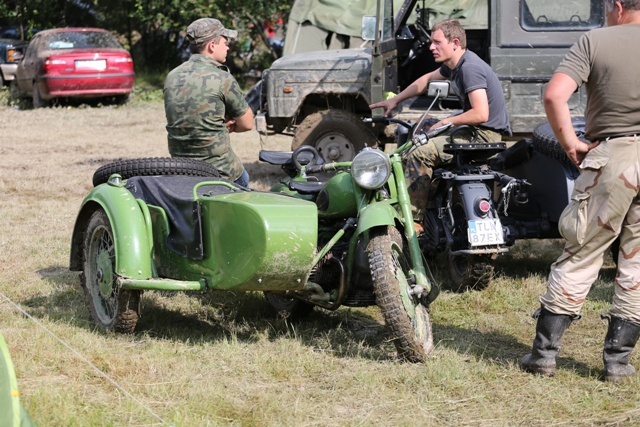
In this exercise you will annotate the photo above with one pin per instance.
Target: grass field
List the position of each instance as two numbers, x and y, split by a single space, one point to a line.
208 359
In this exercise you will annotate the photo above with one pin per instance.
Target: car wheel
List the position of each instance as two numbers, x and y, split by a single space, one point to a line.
38 102
337 135
152 166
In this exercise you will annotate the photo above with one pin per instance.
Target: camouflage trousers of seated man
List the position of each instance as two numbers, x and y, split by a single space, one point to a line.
605 203
419 166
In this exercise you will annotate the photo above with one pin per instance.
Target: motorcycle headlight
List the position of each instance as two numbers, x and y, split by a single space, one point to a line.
370 168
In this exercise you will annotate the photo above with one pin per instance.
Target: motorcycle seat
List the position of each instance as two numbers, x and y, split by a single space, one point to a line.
306 187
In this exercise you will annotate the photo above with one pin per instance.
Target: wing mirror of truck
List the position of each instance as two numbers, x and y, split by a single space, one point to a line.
368 28
438 89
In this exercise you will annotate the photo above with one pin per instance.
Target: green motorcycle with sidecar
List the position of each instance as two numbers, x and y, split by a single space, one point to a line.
172 224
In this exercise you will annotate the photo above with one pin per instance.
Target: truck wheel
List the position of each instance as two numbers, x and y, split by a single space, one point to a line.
151 166
337 135
288 307
111 308
403 313
545 141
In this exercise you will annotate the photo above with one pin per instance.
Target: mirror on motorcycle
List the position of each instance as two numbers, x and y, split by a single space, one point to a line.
438 89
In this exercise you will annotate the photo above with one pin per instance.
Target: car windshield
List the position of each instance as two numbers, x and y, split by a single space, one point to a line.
81 39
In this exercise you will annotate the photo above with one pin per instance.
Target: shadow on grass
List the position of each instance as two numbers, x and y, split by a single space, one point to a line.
498 348
247 317
220 316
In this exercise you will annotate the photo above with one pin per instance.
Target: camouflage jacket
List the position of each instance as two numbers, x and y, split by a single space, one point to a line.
198 94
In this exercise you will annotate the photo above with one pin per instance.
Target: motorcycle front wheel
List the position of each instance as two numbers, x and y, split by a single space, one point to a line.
403 313
111 308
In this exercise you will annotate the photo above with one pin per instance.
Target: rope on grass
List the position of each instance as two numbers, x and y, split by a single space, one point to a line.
81 357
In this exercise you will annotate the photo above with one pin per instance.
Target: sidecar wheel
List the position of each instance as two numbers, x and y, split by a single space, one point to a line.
288 307
111 308
151 166
470 272
337 135
403 313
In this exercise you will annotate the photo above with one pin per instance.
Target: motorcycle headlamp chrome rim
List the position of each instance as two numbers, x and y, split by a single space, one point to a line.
371 168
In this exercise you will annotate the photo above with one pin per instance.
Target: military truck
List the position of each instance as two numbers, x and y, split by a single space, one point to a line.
322 96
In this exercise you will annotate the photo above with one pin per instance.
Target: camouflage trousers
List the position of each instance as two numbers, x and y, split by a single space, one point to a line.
605 203
419 166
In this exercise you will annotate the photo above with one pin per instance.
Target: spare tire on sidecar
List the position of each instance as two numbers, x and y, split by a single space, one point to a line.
152 166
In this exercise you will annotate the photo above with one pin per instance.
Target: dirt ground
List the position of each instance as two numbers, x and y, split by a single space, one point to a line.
99 135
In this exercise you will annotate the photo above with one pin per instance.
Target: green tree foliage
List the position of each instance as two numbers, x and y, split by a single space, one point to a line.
153 29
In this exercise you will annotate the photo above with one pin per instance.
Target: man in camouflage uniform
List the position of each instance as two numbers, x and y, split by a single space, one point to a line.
480 94
203 102
606 199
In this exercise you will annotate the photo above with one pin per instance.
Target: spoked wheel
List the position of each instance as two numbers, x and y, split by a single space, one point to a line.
403 312
467 272
289 307
111 308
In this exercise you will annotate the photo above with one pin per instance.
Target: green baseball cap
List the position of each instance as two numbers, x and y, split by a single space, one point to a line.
204 29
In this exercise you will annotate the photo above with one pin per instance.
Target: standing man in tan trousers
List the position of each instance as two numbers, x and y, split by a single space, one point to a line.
606 199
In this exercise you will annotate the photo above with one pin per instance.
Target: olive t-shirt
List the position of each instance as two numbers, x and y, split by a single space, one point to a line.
607 61
472 73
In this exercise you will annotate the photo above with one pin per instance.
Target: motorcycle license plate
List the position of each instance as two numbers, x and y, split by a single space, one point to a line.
482 232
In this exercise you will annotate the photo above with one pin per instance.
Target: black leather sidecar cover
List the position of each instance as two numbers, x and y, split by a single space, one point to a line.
174 194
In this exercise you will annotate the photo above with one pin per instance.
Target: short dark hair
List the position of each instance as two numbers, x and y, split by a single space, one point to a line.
627 4
452 29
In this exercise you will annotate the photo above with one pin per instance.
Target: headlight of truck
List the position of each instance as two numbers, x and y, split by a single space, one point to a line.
370 168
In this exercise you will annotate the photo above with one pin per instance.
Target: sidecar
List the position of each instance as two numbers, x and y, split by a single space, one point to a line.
174 232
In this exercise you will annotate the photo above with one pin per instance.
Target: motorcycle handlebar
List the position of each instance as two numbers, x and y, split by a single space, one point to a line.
387 120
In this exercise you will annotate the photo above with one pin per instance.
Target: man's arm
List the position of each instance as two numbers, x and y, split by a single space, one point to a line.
414 89
476 115
242 123
556 105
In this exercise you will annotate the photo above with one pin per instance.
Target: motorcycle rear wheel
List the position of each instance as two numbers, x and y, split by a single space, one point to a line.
403 313
470 272
111 308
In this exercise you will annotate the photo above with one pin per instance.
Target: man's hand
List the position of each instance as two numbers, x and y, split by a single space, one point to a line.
388 106
231 125
577 150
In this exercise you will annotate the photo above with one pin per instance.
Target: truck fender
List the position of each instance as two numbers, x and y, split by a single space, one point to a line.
132 238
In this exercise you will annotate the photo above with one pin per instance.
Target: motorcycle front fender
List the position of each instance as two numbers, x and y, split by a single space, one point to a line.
375 215
132 239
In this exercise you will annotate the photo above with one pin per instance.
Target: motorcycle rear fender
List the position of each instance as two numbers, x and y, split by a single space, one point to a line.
472 191
131 237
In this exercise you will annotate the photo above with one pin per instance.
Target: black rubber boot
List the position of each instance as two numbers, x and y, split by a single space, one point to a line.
546 345
621 337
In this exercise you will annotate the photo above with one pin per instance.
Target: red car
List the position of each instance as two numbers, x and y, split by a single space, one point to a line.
75 63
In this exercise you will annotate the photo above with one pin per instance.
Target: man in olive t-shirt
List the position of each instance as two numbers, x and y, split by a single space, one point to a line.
605 202
204 103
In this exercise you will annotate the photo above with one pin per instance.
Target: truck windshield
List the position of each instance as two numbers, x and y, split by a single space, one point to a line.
567 15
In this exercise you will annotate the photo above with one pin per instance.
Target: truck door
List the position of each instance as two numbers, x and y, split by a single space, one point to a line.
530 39
384 66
